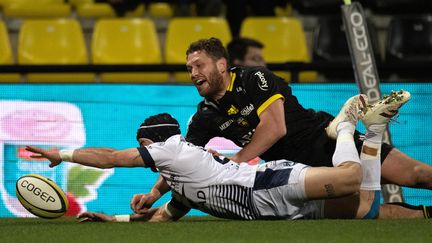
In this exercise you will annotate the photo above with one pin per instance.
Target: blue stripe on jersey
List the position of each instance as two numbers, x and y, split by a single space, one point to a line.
271 178
148 160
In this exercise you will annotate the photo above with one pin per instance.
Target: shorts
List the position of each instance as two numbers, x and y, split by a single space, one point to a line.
279 192
318 148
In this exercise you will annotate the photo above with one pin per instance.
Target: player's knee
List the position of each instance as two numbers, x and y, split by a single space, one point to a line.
352 178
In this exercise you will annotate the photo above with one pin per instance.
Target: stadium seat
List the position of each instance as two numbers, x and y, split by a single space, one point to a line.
161 10
284 41
6 57
392 7
410 41
317 7
104 10
54 42
127 41
330 45
183 31
43 9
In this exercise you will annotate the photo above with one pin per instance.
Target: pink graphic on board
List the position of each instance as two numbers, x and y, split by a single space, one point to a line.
227 148
36 125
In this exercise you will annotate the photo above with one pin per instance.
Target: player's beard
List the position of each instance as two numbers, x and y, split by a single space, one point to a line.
215 85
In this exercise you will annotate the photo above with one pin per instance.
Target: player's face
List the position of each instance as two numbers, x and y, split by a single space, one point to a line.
254 57
204 74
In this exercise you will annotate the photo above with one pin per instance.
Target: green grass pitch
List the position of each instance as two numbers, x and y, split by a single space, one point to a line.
209 229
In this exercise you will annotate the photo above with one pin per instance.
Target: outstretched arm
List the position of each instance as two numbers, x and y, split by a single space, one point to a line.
152 215
95 157
270 129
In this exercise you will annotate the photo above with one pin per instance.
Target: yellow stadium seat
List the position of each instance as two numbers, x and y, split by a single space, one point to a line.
95 10
6 57
284 41
104 10
160 9
76 3
43 9
127 41
183 31
53 42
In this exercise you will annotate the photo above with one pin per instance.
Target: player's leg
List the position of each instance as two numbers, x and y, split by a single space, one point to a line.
404 211
366 203
400 169
346 175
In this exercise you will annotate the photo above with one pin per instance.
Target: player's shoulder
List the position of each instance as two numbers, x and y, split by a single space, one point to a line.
206 110
252 75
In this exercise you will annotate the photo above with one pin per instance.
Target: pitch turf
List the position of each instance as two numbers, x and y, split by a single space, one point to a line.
209 229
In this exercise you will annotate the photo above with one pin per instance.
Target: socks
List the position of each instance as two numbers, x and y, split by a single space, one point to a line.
370 157
345 147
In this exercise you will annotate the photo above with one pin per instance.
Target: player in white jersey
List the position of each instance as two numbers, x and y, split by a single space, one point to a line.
274 190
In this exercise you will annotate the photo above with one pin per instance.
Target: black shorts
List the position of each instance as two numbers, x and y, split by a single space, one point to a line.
322 150
318 148
323 147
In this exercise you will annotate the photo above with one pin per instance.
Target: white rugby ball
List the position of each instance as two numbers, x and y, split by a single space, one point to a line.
41 196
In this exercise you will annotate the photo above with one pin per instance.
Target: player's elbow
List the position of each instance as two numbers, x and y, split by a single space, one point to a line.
279 132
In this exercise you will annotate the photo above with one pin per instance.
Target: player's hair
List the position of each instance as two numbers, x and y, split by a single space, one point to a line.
237 48
158 128
212 46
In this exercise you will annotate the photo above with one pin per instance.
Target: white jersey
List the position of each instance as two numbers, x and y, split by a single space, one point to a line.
215 185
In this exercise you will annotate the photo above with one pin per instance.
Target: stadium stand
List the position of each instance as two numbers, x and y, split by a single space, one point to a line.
410 43
284 41
160 10
127 41
395 7
6 55
43 9
58 41
104 10
317 7
182 31
330 45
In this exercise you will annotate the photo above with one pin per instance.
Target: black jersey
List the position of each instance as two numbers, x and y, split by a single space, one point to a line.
236 115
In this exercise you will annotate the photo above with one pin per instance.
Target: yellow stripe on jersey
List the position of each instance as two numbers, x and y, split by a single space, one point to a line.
268 102
233 76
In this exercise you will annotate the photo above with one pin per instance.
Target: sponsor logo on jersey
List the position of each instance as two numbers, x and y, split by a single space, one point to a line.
247 110
245 139
226 124
232 110
262 84
242 122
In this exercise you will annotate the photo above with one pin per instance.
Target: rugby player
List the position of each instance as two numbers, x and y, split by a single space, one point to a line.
279 189
257 111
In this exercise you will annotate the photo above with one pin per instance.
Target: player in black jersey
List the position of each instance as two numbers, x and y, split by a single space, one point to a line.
257 111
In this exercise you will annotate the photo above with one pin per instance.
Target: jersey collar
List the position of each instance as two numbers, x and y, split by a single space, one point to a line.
233 77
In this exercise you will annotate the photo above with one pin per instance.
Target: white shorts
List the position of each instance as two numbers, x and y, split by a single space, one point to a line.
279 192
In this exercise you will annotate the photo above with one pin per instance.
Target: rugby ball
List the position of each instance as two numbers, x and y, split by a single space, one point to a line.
41 196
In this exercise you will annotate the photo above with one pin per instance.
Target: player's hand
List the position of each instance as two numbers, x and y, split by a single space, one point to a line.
141 203
95 217
214 152
49 154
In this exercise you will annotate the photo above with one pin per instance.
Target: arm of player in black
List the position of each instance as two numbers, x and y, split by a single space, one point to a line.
264 88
